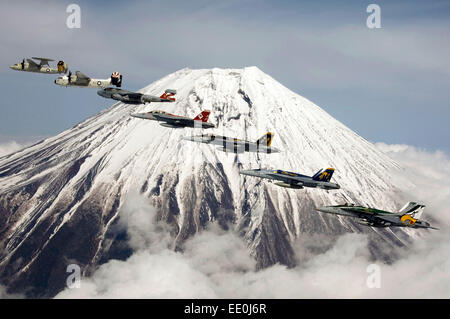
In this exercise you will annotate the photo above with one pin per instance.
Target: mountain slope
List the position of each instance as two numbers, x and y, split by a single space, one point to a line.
59 199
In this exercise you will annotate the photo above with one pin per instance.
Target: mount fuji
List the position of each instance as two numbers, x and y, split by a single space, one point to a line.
60 198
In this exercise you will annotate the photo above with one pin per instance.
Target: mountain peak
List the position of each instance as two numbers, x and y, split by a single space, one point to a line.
60 198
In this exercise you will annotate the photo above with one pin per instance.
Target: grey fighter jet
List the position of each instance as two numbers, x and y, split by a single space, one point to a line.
128 97
294 180
176 121
42 67
237 146
408 216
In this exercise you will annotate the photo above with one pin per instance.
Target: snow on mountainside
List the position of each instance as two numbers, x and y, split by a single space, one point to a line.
59 199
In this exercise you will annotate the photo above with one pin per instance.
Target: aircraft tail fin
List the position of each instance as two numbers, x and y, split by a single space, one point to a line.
63 67
413 209
168 95
203 116
266 139
116 79
323 176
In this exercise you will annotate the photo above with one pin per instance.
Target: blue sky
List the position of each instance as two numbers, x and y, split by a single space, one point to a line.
389 85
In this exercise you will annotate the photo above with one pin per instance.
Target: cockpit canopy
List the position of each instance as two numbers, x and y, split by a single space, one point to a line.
158 112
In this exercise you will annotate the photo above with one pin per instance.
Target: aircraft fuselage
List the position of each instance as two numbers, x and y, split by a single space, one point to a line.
290 180
92 83
375 218
27 68
173 121
233 145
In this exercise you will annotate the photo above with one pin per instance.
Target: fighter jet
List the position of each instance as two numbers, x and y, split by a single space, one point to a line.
237 146
176 121
294 180
81 80
128 97
42 67
408 216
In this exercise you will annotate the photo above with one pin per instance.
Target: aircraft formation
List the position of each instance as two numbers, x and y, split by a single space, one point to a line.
408 216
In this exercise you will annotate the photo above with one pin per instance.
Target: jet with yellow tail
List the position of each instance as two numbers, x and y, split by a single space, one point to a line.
408 216
235 145
294 180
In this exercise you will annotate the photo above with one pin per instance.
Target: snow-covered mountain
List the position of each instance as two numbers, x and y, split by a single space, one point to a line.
60 198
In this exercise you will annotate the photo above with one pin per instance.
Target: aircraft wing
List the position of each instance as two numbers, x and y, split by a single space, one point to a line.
364 212
131 95
229 145
32 64
170 119
81 78
126 96
175 121
388 218
286 178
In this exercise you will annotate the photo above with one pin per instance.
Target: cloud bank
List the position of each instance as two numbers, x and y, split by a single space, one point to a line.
216 264
10 147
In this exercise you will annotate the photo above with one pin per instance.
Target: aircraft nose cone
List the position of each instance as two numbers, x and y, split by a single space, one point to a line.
139 115
248 172
323 209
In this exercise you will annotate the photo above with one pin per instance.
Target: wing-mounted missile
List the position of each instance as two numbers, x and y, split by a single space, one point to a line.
170 125
369 223
234 150
116 79
121 98
287 185
364 222
328 186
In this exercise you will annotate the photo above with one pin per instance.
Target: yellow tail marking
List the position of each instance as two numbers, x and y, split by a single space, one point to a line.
269 138
407 219
324 175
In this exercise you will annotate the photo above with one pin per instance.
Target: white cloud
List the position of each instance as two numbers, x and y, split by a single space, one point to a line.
216 264
425 177
10 147
5 295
